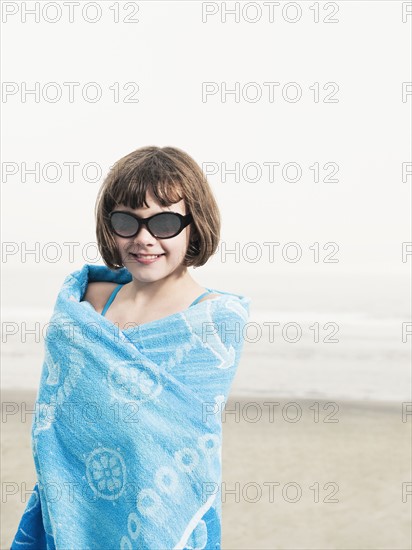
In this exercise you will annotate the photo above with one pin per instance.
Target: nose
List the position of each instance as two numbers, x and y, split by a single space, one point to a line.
143 236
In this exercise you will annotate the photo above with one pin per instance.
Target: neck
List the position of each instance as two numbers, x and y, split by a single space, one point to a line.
172 288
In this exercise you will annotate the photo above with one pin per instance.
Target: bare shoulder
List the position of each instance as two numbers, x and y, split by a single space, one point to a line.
98 292
209 297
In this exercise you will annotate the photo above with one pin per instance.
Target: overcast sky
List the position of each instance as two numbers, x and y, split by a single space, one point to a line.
358 124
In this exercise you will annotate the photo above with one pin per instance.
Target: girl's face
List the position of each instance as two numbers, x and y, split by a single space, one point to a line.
172 250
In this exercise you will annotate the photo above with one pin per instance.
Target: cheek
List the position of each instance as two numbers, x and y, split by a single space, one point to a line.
177 245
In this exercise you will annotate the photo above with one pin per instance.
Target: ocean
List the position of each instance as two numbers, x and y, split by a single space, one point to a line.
310 335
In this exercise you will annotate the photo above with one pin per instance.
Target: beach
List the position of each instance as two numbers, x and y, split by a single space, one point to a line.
296 473
299 203
325 467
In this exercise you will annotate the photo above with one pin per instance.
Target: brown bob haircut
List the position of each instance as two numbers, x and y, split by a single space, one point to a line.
171 175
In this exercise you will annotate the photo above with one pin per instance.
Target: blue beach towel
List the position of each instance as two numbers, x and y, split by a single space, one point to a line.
127 432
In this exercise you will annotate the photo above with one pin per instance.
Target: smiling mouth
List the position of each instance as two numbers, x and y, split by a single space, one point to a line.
147 256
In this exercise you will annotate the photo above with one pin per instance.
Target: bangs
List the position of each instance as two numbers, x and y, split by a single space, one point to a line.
131 189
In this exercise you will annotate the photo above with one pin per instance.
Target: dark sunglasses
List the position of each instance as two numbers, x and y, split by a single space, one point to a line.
163 225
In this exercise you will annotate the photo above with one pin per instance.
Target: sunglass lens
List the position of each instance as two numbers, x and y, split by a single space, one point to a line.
123 224
165 225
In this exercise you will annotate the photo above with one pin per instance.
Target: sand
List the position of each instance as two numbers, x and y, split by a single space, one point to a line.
275 474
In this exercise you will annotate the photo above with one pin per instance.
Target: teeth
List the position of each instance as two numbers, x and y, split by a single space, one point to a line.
147 256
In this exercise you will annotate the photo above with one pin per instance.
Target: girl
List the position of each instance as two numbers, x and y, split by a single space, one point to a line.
133 439
147 182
